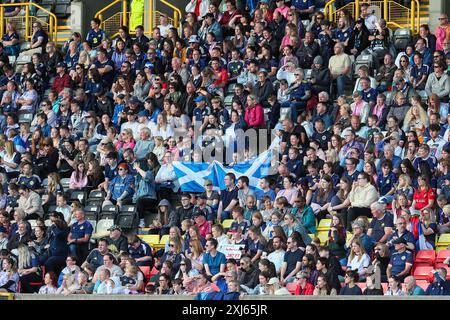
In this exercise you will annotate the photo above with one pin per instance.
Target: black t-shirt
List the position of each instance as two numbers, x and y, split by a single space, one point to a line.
378 225
226 196
291 258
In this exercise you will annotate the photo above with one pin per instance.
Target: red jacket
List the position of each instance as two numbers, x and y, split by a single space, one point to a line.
307 291
61 82
254 117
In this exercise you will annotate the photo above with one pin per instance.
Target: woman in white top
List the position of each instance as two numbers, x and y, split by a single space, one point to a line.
10 160
50 284
358 259
28 99
394 287
289 192
162 128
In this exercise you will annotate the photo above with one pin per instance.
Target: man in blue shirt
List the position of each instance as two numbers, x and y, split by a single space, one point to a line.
29 179
401 260
228 197
401 232
368 94
96 35
419 73
141 252
79 236
121 189
201 110
304 7
213 260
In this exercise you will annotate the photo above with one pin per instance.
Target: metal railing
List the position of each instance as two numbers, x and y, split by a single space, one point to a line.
396 15
113 22
25 22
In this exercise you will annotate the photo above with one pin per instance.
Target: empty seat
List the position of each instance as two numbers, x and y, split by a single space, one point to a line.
89 215
110 208
422 272
227 223
323 237
150 239
324 225
48 223
65 183
128 208
384 286
228 101
425 257
77 195
146 270
92 208
107 215
32 223
401 38
102 227
95 194
126 220
444 239
442 255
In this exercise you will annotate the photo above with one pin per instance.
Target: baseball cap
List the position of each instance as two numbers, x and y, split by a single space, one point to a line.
61 64
207 182
123 166
149 65
399 241
199 99
143 113
194 39
199 213
279 126
115 227
273 281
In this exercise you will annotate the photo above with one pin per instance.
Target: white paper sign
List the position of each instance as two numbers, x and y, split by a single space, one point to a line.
232 251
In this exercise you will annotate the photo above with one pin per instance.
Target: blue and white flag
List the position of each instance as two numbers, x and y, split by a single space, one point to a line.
423 243
192 176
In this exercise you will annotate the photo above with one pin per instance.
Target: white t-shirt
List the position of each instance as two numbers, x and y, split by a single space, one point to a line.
359 265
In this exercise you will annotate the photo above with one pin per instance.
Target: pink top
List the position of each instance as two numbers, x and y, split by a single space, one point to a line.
286 41
74 184
254 117
126 145
440 37
283 10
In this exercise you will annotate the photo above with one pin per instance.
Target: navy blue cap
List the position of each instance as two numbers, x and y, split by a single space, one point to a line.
143 113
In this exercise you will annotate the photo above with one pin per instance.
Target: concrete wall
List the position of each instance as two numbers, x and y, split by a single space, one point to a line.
436 8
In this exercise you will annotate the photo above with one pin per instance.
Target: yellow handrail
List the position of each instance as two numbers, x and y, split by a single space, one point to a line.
329 10
53 27
177 12
124 5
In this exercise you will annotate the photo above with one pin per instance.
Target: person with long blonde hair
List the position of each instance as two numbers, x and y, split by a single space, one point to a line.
358 259
9 278
10 160
416 118
28 266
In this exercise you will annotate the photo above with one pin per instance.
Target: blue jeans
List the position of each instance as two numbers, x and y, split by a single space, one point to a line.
340 84
294 105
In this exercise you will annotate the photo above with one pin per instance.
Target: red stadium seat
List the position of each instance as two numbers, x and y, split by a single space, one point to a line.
423 284
146 271
291 287
362 285
385 286
422 272
425 257
442 255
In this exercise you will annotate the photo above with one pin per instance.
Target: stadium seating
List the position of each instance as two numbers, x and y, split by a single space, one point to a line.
227 223
423 284
150 239
324 225
422 272
442 255
323 237
425 257
444 239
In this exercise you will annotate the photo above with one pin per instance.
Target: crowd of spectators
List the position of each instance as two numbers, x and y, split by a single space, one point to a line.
367 148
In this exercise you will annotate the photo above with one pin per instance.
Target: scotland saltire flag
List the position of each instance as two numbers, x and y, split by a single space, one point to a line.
192 176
